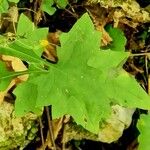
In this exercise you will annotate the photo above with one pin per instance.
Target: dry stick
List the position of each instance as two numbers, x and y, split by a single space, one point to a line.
140 54
149 84
41 133
147 74
14 27
49 118
28 9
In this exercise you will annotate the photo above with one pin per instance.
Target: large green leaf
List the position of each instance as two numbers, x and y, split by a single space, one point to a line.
144 126
86 82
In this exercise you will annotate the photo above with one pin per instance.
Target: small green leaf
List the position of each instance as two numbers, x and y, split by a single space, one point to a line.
33 41
144 128
119 40
62 3
3 6
47 7
31 36
25 26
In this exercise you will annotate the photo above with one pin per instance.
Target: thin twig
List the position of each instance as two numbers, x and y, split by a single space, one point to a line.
147 74
28 10
73 14
67 10
139 54
49 118
149 84
41 133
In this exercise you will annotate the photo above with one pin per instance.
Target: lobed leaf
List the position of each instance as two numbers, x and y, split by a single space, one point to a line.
46 6
86 81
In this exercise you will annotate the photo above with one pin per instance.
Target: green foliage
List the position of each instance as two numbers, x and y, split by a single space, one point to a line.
61 4
5 76
28 105
25 26
30 35
144 126
119 40
27 30
86 81
27 44
47 5
4 5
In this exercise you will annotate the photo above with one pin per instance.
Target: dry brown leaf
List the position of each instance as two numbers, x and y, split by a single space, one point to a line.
57 126
50 49
4 93
106 39
17 65
100 19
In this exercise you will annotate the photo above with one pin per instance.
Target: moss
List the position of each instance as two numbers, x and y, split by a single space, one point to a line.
15 133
